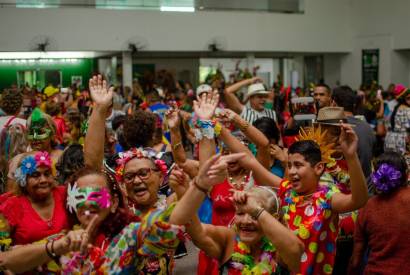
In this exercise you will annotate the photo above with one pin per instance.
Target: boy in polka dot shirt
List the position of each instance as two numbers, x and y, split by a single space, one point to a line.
311 210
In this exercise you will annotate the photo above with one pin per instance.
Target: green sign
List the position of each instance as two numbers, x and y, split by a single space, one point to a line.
370 66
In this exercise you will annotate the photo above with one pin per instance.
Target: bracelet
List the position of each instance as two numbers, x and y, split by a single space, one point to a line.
258 211
200 188
176 145
51 252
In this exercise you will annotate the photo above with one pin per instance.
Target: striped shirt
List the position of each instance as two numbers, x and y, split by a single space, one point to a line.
250 115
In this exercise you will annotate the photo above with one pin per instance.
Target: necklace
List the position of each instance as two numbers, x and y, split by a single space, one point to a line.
242 259
241 184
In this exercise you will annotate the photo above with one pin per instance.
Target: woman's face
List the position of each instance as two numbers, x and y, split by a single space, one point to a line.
40 183
142 180
87 210
248 229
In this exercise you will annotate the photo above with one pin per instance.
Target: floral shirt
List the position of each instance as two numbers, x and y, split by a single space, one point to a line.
313 221
146 247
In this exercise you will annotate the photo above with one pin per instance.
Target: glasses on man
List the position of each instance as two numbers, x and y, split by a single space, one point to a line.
142 174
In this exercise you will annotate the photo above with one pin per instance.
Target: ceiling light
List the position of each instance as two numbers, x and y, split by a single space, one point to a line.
177 9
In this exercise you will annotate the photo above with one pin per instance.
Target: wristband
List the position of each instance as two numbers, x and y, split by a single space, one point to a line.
257 212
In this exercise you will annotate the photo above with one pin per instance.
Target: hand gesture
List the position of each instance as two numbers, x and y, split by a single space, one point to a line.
215 171
227 115
100 93
205 106
76 240
245 202
178 181
278 153
348 140
172 118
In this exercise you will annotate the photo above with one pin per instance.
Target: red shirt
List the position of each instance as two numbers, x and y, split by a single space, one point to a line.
383 226
25 223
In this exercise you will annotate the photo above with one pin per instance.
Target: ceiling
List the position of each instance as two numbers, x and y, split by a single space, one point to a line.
287 6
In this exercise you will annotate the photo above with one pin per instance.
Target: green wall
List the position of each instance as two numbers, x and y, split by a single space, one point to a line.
84 68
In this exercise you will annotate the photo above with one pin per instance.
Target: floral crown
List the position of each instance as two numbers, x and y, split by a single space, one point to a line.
317 135
151 154
29 165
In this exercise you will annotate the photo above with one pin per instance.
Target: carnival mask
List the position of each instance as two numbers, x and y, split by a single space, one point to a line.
77 197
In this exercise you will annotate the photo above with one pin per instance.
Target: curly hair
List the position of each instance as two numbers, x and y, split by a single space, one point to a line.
70 161
114 222
11 102
139 129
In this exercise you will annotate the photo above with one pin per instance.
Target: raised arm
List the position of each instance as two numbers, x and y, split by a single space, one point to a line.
178 152
204 127
231 99
341 202
94 139
212 239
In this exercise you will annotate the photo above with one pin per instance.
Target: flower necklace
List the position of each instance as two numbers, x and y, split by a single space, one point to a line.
243 261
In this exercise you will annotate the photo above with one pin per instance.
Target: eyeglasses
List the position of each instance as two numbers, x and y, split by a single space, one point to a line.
142 174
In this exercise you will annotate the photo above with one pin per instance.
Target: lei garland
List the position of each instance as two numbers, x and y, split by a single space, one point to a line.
243 261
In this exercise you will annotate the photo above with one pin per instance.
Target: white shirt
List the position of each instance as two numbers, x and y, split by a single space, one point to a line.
250 115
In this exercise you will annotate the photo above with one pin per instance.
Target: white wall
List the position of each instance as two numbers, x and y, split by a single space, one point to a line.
322 28
383 25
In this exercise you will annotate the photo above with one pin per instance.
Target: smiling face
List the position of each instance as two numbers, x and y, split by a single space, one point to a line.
40 183
88 209
142 181
303 176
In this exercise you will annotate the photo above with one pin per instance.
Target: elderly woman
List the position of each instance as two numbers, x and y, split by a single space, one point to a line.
37 209
140 173
250 246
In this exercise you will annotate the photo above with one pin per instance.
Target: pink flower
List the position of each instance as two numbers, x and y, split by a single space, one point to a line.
43 159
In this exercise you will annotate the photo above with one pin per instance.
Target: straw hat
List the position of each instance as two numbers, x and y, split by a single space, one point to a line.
331 116
204 88
256 89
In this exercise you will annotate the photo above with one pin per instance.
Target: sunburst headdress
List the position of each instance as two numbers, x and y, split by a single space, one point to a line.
316 134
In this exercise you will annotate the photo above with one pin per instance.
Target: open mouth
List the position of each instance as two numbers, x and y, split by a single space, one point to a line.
247 229
140 191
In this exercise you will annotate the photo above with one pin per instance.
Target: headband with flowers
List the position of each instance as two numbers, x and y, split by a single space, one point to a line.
386 178
29 165
125 157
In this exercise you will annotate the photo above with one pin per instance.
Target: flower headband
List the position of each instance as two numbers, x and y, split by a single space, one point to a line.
77 197
29 165
125 157
386 178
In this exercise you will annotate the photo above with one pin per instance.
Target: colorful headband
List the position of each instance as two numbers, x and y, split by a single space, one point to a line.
77 197
29 165
151 154
386 178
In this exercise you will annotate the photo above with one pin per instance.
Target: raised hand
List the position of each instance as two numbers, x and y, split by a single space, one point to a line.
227 115
205 106
100 93
178 181
348 140
172 118
245 202
278 153
215 171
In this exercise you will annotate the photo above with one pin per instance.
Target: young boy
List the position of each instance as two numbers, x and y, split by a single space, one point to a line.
310 209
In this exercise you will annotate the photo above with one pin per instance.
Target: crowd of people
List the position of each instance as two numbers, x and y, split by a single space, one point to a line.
106 180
